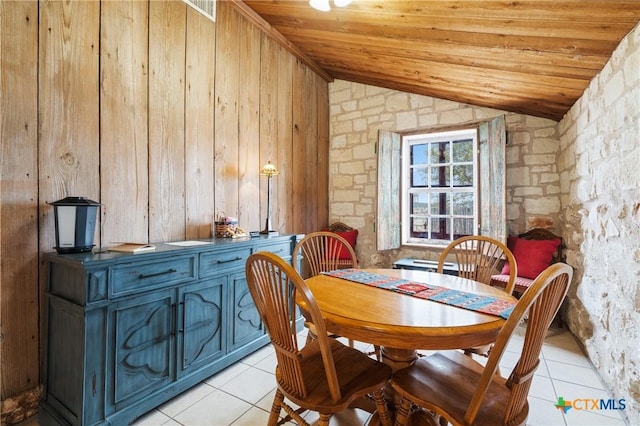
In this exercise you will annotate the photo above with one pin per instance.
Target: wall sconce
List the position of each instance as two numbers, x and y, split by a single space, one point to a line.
323 5
75 219
269 170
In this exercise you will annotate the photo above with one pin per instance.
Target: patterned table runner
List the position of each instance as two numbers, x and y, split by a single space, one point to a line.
486 304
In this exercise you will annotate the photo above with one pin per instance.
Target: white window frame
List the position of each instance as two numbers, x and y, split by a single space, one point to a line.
492 139
406 190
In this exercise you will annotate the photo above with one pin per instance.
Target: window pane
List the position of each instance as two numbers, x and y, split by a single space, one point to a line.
463 151
440 153
419 228
462 227
440 203
440 176
419 154
440 228
463 204
419 177
419 204
463 175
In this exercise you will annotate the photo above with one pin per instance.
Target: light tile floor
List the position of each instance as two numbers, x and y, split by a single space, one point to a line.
241 395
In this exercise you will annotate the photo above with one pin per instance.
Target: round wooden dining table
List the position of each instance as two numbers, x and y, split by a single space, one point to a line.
402 324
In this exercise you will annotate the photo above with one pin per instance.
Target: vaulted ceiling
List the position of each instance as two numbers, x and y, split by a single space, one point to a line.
533 57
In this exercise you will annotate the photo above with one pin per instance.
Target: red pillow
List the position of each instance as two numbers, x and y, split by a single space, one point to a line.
351 237
532 256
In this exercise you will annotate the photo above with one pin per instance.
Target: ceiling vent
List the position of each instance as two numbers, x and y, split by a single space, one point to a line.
206 7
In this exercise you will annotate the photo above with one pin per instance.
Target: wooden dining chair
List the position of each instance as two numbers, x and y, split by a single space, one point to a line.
479 258
459 390
325 375
323 251
319 252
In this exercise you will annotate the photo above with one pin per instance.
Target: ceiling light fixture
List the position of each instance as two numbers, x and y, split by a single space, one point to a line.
323 5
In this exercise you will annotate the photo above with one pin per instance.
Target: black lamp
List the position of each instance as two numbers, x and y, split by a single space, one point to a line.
75 224
269 170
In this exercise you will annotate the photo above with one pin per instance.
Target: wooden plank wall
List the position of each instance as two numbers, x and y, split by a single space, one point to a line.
159 114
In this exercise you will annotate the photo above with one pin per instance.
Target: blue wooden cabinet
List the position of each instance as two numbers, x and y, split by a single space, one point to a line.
127 332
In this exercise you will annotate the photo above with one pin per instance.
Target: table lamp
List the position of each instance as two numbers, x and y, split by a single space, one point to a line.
269 170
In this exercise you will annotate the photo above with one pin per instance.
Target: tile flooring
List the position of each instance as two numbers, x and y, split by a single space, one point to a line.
241 395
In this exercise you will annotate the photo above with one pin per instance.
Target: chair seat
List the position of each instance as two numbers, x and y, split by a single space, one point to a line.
521 283
432 381
359 375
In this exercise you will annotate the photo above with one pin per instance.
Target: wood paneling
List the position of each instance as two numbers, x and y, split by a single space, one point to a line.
228 79
249 95
269 132
283 207
68 146
199 125
19 198
167 22
155 112
534 57
124 136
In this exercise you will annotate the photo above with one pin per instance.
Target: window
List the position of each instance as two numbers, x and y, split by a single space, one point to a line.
436 187
439 187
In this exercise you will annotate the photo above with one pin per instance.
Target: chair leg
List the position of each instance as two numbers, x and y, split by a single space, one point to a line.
403 412
324 419
381 406
275 408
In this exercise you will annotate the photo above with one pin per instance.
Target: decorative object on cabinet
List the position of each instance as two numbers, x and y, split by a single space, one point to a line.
269 170
125 333
75 224
133 247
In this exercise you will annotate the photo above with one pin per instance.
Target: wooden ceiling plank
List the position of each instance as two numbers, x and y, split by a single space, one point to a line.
448 77
571 10
524 27
506 60
411 35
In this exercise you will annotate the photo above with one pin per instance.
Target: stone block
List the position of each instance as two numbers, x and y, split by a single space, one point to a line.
407 120
542 205
397 102
458 116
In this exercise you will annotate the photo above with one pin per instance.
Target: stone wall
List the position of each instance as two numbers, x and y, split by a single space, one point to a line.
600 179
359 111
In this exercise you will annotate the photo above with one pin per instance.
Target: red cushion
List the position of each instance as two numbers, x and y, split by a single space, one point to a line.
351 237
532 256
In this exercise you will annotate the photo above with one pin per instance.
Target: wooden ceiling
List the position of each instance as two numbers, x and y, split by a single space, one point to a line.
533 57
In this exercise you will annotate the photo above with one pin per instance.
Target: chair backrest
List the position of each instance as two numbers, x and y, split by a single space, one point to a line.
339 227
539 234
274 286
324 251
542 300
479 258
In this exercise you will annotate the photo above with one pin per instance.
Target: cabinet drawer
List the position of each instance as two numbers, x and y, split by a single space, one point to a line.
134 277
213 263
282 249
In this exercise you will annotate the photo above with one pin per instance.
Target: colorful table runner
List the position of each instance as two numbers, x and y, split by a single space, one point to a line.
486 304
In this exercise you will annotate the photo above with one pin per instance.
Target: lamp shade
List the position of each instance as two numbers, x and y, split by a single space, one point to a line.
75 224
269 170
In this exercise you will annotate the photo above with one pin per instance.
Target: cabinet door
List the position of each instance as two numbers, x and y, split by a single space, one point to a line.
144 346
202 328
246 324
